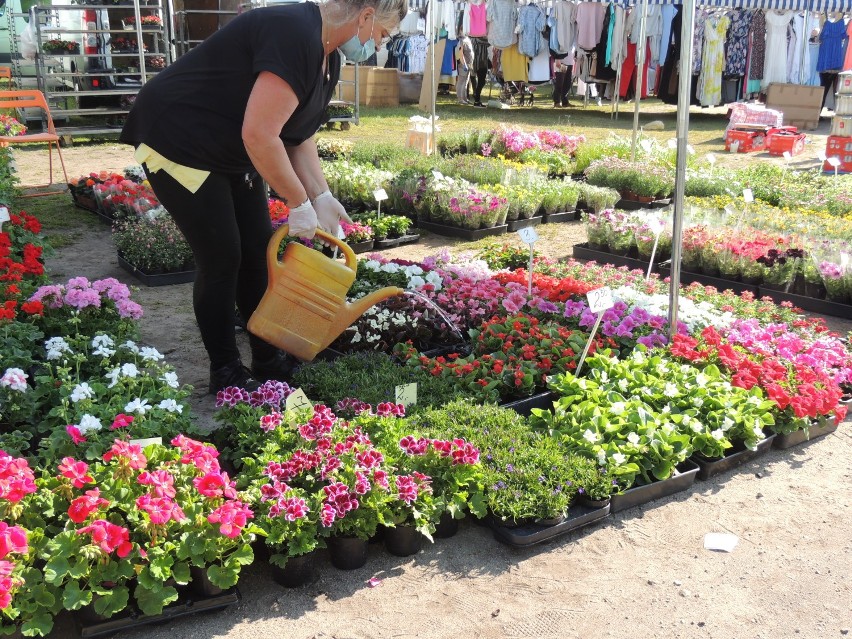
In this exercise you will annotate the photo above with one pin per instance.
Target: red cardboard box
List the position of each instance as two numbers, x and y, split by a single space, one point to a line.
747 139
838 147
780 143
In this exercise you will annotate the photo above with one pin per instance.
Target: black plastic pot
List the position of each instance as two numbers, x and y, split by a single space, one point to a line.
739 456
403 540
800 436
297 572
582 500
201 583
638 495
347 553
525 405
532 534
157 279
446 527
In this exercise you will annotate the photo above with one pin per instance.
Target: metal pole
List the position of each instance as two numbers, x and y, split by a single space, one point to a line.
434 89
640 77
686 34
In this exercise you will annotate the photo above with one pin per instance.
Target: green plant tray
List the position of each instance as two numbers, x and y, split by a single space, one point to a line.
464 234
800 436
185 605
639 495
516 225
740 455
157 279
532 534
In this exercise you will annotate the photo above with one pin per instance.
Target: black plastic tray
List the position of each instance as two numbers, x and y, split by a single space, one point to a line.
183 607
516 225
687 277
388 242
524 406
566 216
532 534
159 279
410 238
464 234
639 495
712 467
813 304
633 205
800 436
583 252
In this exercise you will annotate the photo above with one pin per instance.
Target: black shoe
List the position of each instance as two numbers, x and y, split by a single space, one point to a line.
479 104
279 367
233 374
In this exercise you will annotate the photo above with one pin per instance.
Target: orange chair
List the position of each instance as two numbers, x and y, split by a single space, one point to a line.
33 99
6 72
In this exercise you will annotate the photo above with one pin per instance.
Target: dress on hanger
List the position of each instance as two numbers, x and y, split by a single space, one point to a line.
540 64
566 25
531 22
758 51
802 25
515 65
590 17
474 23
737 48
502 20
668 14
831 46
698 40
775 61
713 60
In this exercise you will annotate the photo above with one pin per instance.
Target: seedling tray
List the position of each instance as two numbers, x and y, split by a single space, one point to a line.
157 279
532 534
566 216
800 436
524 406
516 225
464 234
712 467
638 495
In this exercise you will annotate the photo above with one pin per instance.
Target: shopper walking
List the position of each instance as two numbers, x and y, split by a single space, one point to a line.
464 63
239 110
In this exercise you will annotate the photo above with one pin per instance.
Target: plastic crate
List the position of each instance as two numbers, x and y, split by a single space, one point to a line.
781 143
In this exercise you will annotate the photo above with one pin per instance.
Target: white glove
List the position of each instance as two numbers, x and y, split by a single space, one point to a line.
302 220
329 213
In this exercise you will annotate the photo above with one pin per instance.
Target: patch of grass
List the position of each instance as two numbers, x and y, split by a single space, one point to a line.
62 223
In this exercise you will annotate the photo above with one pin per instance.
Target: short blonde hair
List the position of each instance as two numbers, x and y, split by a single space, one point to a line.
389 13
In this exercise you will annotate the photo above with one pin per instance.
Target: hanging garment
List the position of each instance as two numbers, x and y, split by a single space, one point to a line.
448 65
473 22
531 23
417 46
619 39
629 69
667 87
847 62
709 92
654 31
445 15
698 40
775 60
566 25
408 26
801 27
609 25
590 17
758 47
668 11
515 65
502 20
540 64
603 72
831 46
813 74
737 45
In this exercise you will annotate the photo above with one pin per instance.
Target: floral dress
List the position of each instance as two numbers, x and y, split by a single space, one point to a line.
758 46
698 40
737 47
713 60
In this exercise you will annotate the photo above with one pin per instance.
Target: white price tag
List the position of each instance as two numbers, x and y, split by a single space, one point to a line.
711 159
672 143
646 145
147 442
528 235
600 299
821 156
730 211
834 161
690 149
748 196
788 156
380 194
406 394
437 175
4 214
735 146
844 260
297 400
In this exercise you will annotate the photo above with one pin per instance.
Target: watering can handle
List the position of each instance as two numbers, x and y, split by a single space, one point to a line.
275 241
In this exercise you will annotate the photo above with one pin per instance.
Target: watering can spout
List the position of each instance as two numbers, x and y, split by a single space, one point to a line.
304 308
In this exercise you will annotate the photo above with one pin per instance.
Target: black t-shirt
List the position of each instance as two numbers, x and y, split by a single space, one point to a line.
192 112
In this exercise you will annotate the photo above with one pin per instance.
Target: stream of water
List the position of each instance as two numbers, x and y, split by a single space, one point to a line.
441 312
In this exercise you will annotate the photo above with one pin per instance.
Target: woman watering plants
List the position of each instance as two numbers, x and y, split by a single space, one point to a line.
240 109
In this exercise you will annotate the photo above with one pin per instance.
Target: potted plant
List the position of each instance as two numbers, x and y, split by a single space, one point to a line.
61 47
359 236
9 126
153 249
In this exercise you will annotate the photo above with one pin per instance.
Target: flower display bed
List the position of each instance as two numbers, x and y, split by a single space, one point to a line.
186 605
795 438
712 467
465 234
157 279
515 225
532 534
638 495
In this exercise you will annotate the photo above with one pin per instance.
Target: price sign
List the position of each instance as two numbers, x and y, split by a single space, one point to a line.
4 216
600 299
788 156
380 194
834 161
438 175
748 196
406 394
297 400
646 145
528 235
148 441
844 260
821 156
711 159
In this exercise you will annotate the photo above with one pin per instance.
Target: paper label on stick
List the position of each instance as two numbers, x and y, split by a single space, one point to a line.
148 441
380 194
711 159
528 235
297 400
600 299
4 214
406 394
821 156
437 175
788 156
748 196
834 161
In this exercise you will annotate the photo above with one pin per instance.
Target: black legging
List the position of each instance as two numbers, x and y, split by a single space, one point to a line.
827 79
226 222
478 84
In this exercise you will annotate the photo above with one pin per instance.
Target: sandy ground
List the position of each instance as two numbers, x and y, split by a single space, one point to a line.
642 573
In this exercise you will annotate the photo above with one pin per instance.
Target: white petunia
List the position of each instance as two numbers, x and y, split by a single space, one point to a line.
170 405
590 436
129 370
619 458
150 354
416 282
633 438
87 423
171 379
139 406
81 392
671 390
14 379
718 434
373 265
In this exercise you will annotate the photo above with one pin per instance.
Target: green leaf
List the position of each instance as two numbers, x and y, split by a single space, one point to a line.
38 626
73 598
242 555
79 569
223 576
161 567
56 569
180 572
113 602
152 602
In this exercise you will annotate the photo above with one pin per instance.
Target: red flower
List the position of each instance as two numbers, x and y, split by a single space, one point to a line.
75 434
109 537
76 471
82 508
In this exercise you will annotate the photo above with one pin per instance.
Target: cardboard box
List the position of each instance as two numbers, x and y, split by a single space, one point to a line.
746 138
783 142
801 105
376 87
838 147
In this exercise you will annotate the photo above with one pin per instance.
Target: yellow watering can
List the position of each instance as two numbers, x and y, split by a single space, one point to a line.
304 308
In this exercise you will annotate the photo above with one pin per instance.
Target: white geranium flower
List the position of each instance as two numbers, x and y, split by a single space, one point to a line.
718 434
633 438
139 406
103 351
129 370
131 346
671 390
619 458
55 347
590 436
89 422
170 405
150 354
81 392
102 340
113 377
170 379
14 379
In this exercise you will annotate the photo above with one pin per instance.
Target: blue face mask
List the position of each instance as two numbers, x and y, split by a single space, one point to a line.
357 51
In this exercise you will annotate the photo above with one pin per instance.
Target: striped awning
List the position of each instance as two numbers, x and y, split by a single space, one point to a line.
822 6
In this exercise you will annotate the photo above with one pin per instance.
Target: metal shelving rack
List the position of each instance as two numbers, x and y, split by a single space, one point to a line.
64 83
355 118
